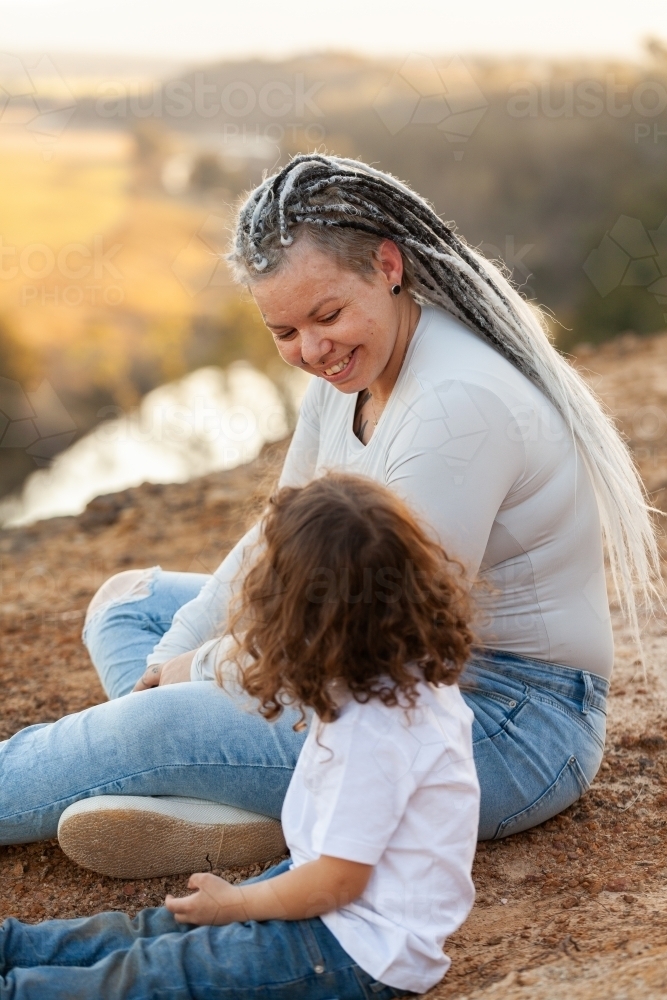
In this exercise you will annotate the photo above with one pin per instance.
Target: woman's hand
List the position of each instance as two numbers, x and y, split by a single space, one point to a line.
214 902
174 671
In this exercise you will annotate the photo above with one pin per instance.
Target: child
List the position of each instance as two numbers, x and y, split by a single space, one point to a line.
351 612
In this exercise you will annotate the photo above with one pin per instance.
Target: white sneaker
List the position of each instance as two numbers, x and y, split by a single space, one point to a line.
136 836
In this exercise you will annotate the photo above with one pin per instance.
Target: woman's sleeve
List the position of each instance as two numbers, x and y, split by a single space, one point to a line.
204 617
454 460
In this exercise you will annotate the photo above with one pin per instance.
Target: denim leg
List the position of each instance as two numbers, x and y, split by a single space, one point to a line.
82 941
189 739
86 940
120 635
537 742
109 957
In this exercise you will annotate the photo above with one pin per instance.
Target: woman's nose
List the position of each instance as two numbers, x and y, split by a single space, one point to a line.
315 349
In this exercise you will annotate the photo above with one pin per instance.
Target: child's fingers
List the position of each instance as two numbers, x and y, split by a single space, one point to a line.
183 915
204 906
205 882
180 904
199 908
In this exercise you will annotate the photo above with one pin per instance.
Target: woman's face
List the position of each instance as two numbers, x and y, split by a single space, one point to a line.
330 321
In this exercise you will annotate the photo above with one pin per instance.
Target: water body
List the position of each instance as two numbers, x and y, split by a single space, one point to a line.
209 420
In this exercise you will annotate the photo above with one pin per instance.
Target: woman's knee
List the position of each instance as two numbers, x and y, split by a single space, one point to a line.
130 584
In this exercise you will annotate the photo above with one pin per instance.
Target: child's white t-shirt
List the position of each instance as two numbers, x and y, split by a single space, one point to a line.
398 792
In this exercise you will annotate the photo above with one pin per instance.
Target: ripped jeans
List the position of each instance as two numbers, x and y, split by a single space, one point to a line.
538 732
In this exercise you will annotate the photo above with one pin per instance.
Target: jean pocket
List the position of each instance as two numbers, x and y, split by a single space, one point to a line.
374 990
570 785
493 710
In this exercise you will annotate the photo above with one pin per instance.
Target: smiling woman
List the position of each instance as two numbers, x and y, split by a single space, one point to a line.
435 379
329 315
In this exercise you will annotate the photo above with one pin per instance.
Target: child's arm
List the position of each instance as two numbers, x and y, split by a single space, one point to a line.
307 891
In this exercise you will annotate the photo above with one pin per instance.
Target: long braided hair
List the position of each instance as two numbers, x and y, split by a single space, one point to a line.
335 201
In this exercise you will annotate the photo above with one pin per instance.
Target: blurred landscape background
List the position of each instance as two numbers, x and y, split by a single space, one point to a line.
119 177
138 385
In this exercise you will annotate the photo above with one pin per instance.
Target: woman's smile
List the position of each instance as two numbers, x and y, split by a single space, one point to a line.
341 369
340 326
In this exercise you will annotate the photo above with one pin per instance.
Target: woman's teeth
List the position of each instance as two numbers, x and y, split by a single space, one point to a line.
339 366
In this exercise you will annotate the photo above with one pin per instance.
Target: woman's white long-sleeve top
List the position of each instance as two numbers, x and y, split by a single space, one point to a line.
490 466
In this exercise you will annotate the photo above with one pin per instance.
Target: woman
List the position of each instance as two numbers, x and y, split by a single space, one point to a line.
435 378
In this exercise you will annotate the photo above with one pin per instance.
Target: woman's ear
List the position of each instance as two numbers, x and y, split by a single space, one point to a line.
389 262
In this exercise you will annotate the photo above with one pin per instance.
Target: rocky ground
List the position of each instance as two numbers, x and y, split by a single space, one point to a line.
575 909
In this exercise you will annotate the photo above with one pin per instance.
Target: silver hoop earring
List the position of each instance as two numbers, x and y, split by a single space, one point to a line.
396 289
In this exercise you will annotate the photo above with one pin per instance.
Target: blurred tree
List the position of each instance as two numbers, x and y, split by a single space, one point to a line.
657 48
623 310
17 365
152 148
208 173
236 333
16 360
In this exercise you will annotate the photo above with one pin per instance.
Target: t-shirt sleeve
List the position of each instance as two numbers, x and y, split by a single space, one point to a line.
455 459
205 617
361 779
301 459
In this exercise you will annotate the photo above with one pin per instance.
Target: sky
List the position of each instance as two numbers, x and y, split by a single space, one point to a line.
206 29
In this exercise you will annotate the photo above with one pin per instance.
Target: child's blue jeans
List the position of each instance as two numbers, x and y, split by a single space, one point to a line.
110 957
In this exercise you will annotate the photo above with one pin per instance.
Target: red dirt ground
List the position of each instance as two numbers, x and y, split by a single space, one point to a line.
574 909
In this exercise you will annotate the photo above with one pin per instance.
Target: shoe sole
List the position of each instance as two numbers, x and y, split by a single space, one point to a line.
132 836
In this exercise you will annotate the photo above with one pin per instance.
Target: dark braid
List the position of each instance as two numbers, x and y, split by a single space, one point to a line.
448 273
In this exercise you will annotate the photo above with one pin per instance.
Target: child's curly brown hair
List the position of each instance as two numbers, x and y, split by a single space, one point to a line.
348 588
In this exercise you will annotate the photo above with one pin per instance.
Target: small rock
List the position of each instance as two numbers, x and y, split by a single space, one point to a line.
650 741
129 889
627 898
617 885
527 978
495 940
569 902
101 512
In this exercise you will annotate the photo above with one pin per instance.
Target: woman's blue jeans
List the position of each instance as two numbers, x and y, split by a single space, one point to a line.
538 734
110 957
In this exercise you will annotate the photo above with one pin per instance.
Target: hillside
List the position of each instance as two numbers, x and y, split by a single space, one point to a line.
575 909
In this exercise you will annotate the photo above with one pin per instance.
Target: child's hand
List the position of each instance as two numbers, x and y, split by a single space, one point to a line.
214 902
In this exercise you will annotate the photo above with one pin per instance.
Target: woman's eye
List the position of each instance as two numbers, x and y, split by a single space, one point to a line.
286 336
332 316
